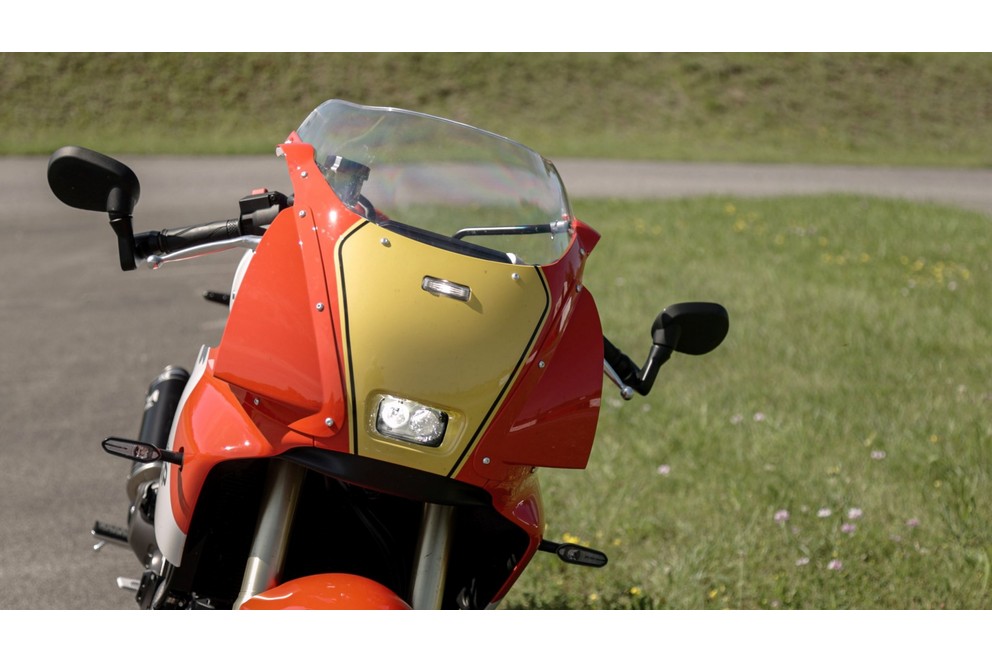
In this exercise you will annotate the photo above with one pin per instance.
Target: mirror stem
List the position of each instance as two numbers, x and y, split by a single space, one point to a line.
125 241
640 379
657 357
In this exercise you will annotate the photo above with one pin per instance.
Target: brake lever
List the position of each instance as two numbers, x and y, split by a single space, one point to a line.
248 241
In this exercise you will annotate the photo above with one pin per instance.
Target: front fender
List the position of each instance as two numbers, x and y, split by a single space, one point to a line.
327 592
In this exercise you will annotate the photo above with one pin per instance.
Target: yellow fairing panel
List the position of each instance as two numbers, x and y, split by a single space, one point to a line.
460 357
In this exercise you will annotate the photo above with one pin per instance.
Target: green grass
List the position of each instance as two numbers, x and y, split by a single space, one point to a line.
902 109
855 377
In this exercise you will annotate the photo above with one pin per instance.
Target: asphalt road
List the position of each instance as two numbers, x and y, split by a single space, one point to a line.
80 341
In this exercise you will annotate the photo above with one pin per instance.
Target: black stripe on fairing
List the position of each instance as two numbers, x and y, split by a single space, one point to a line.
347 336
516 371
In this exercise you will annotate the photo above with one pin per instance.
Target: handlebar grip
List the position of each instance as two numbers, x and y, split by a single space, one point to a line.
258 210
172 240
194 235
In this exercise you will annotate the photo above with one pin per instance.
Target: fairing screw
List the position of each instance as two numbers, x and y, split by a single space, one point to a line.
304 174
385 242
541 364
303 214
515 276
486 460
320 307
256 401
329 422
578 287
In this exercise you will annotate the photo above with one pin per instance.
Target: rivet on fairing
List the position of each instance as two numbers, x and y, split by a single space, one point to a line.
541 364
304 174
320 307
329 422
515 276
486 460
302 214
385 242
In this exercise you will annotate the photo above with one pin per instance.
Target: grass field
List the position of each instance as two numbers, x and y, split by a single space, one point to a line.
900 109
834 453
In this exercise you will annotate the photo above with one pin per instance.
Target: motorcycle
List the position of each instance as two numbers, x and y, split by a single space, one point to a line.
408 339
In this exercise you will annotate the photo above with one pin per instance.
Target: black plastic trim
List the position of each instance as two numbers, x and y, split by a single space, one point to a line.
444 242
388 478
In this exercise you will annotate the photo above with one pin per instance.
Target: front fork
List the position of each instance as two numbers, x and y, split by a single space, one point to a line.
263 570
433 552
275 521
268 552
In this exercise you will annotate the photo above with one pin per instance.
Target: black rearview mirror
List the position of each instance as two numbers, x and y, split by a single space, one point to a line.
691 328
89 180
85 179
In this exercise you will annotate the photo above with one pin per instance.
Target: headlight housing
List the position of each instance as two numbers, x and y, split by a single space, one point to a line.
410 421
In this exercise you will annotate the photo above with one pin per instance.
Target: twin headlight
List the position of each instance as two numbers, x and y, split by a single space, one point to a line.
407 420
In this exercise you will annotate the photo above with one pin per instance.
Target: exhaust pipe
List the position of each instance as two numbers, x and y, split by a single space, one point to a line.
161 402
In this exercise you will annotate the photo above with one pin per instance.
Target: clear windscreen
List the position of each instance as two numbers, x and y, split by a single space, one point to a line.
456 182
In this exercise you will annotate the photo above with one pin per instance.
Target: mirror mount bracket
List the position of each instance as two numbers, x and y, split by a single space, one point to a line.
124 230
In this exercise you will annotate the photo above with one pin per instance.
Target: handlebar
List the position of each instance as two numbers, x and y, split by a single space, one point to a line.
169 241
627 375
257 212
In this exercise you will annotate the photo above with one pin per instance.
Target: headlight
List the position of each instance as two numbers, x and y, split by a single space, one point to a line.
407 420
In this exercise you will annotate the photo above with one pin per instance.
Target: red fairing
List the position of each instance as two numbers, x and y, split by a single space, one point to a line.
549 417
218 425
286 310
327 592
557 422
